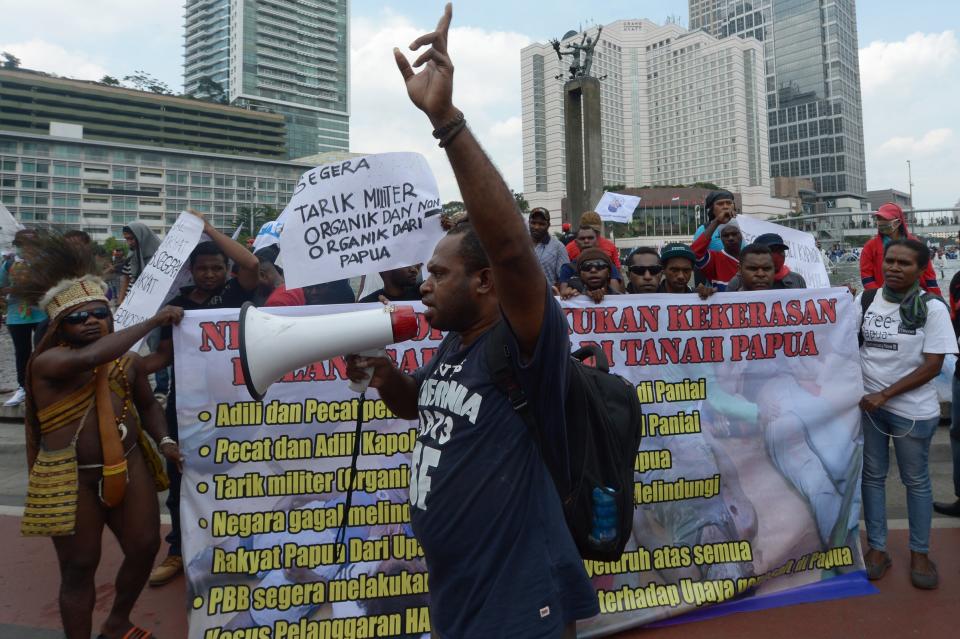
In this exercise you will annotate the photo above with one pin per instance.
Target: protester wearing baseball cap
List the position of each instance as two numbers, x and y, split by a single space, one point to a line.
891 225
549 250
678 261
783 277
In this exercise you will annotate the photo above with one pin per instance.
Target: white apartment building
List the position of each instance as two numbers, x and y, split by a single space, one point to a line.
677 107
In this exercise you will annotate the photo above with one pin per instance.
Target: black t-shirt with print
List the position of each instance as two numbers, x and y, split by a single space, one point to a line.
484 507
231 295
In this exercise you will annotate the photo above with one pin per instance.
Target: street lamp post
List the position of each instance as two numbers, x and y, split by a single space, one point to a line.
910 182
252 231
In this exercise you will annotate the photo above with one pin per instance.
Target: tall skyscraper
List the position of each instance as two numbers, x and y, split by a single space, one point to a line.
286 56
812 84
677 107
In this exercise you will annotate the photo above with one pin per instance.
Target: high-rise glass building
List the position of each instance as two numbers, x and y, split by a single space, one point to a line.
814 110
287 56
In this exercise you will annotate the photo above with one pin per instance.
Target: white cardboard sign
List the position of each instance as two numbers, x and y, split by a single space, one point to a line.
803 256
164 273
359 216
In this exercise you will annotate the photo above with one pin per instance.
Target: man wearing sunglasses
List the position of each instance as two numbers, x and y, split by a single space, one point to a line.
644 270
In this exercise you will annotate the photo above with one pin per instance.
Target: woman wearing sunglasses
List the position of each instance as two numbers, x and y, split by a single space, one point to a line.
593 276
89 410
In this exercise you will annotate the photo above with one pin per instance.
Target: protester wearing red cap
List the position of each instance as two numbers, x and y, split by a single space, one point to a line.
891 225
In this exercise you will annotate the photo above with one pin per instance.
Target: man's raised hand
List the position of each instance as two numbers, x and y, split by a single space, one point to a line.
431 90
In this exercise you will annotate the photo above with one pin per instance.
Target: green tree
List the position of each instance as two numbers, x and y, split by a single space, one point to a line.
209 89
10 61
613 188
112 243
143 81
522 203
109 80
705 185
261 215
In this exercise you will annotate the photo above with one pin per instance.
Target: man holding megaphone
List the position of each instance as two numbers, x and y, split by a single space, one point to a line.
484 507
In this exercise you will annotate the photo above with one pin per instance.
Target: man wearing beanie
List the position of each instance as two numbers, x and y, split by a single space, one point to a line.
710 202
891 225
593 276
720 266
592 219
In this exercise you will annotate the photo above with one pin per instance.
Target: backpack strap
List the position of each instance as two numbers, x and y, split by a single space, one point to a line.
927 296
500 364
865 301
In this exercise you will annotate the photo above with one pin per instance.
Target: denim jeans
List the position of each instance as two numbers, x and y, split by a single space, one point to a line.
911 442
173 496
955 435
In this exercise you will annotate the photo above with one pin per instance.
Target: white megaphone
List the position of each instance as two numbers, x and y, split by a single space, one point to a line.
273 345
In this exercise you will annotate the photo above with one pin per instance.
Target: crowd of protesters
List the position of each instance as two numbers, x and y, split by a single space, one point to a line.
906 326
900 289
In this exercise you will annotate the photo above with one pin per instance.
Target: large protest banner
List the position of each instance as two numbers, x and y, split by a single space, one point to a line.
802 255
363 215
747 485
163 275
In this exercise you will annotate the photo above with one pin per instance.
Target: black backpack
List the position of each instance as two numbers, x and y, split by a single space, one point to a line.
603 418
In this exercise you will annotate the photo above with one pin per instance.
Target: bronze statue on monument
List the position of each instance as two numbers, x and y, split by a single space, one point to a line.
581 119
586 46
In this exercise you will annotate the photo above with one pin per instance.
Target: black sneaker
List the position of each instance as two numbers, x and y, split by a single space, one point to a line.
951 509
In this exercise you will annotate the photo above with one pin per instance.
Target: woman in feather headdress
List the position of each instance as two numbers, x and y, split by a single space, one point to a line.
89 406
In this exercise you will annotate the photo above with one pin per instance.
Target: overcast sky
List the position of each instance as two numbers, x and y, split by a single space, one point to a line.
909 66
